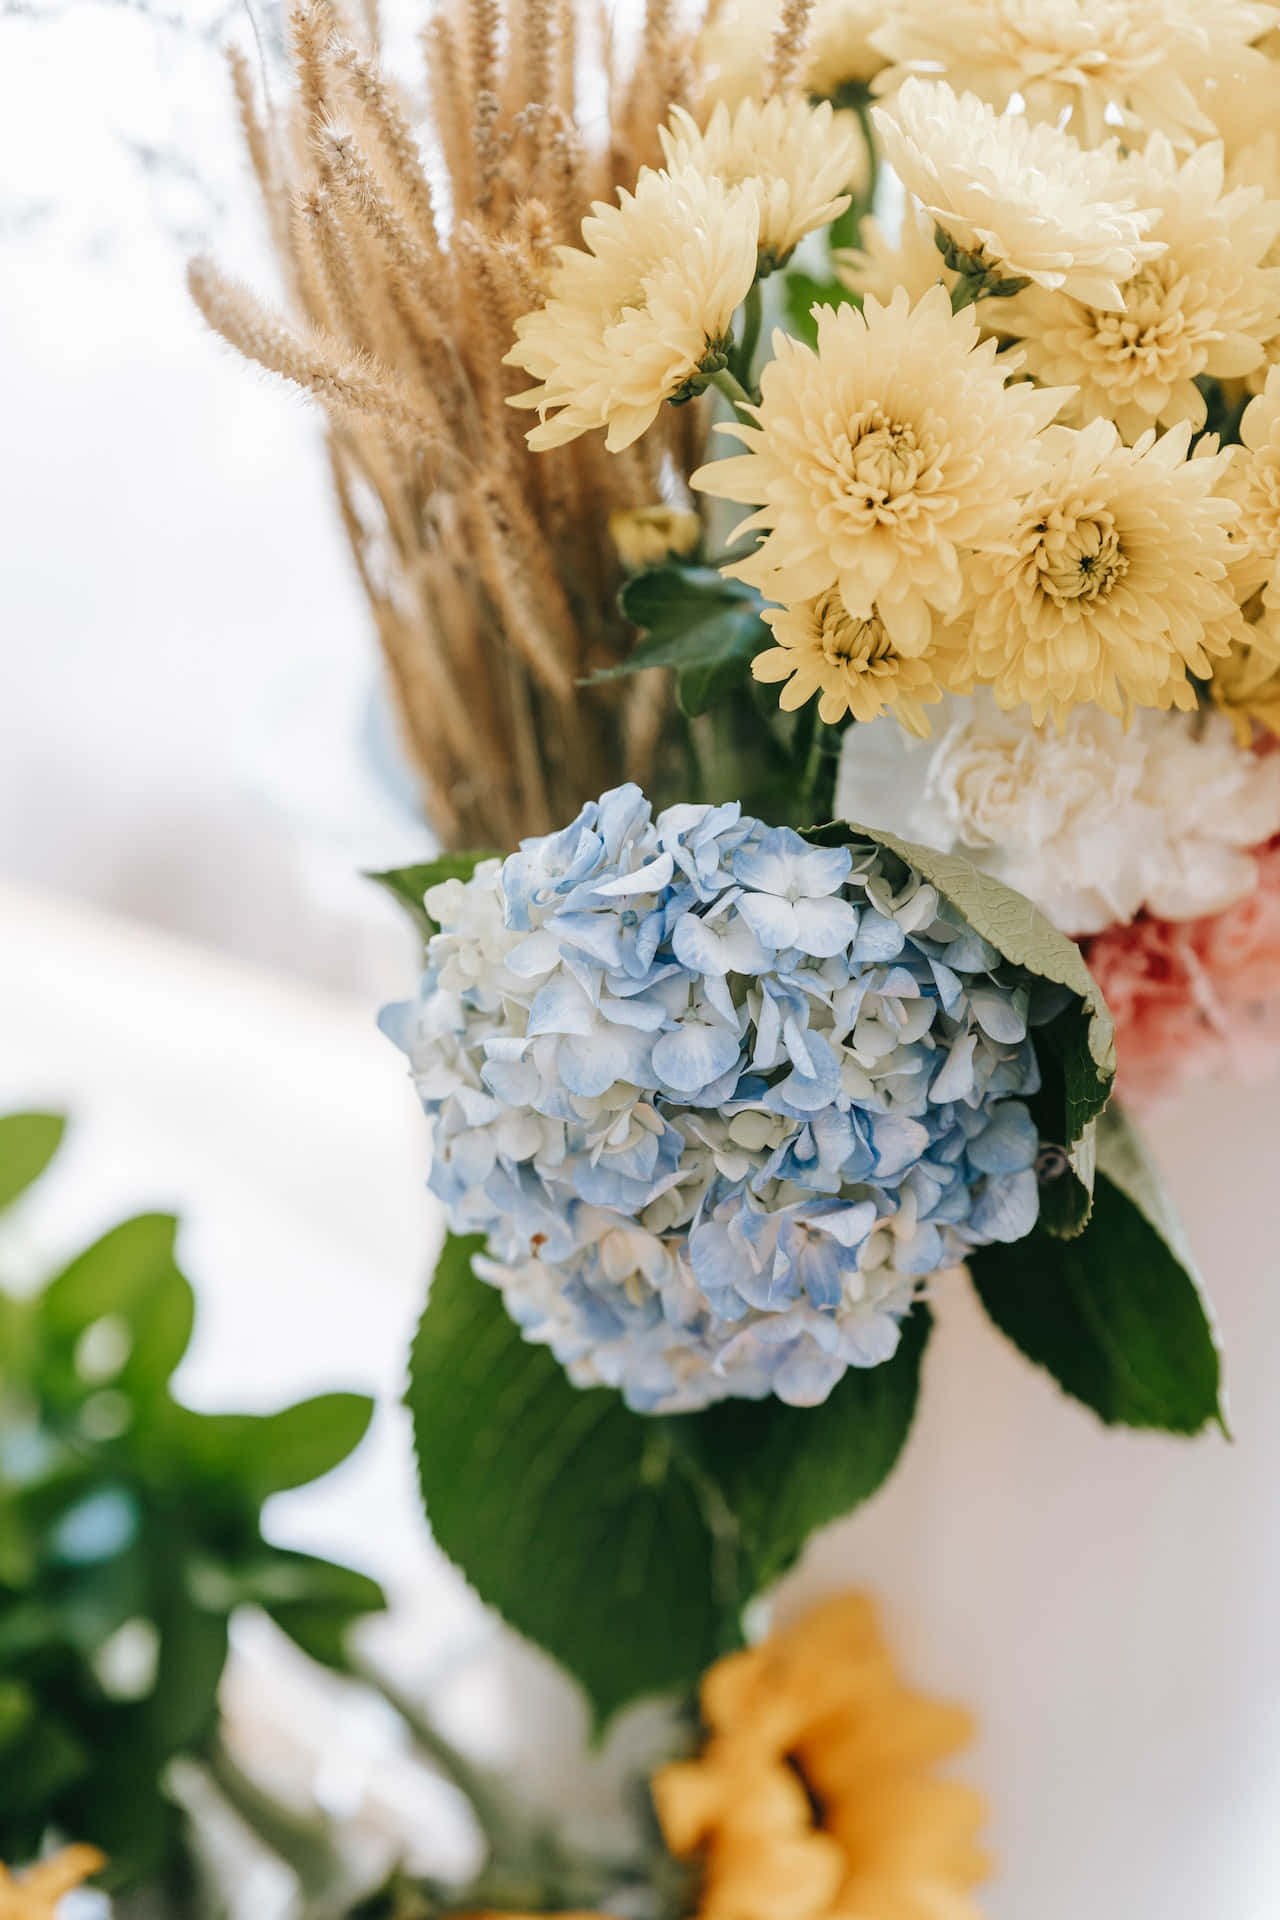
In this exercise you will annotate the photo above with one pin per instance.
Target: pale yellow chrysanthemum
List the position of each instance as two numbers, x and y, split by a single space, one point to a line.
1204 307
907 257
1254 484
1112 586
852 665
797 160
1144 63
1027 199
1246 683
736 43
631 316
1242 98
878 460
643 536
1258 165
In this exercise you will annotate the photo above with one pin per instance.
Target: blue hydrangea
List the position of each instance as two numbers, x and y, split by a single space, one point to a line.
720 1099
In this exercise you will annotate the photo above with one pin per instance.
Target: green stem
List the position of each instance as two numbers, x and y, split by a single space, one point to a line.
752 315
305 1844
732 388
493 1807
821 772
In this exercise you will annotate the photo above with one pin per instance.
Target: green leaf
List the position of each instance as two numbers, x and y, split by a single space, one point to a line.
801 293
706 627
786 1471
572 1516
407 885
259 1454
130 1274
1076 1049
315 1602
304 1442
1115 1315
28 1142
42 1762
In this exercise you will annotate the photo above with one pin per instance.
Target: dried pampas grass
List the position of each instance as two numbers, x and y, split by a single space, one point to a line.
490 571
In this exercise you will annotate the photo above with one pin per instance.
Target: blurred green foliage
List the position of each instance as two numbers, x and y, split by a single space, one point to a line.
129 1532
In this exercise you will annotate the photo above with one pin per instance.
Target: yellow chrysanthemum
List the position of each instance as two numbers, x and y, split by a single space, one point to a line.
1204 307
645 535
907 257
632 316
1147 62
736 43
797 161
1254 484
35 1894
1026 198
1112 586
813 1796
1246 684
852 665
878 460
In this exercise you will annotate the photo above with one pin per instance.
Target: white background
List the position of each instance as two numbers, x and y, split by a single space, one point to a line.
186 675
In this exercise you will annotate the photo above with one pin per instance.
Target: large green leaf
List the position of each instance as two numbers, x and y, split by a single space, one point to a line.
28 1142
1076 1049
129 1275
706 627
575 1518
408 885
785 1471
1116 1315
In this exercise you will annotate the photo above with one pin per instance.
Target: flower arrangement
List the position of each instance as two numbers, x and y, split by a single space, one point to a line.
805 872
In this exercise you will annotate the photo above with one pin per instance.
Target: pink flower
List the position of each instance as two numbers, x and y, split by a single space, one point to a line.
1196 997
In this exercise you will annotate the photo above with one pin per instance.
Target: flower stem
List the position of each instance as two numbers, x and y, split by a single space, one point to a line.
732 388
752 315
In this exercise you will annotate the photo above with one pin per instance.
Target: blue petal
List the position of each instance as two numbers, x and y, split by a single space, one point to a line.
692 1054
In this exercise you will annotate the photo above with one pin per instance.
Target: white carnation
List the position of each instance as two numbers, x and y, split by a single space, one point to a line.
1093 823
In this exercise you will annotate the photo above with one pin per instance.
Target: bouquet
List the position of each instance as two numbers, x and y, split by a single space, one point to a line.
805 876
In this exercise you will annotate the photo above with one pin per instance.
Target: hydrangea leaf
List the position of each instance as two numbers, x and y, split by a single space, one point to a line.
572 1517
28 1142
706 627
408 885
785 1471
1116 1315
1076 1049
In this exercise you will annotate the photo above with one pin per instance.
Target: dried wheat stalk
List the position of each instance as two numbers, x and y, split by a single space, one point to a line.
489 571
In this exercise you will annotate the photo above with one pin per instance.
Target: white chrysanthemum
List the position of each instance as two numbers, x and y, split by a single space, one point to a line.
735 46
907 257
1111 585
1147 63
631 316
797 160
1027 198
1094 824
878 460
1204 307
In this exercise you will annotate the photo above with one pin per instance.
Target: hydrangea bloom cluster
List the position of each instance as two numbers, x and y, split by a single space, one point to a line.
718 1097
